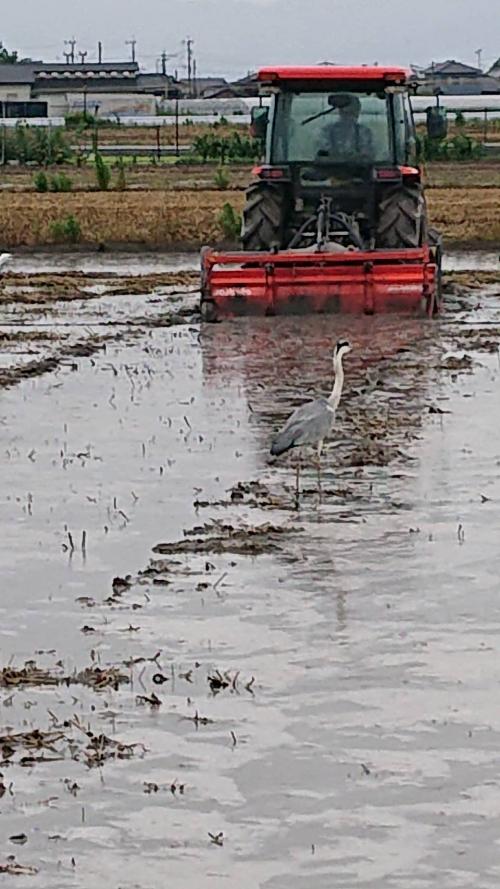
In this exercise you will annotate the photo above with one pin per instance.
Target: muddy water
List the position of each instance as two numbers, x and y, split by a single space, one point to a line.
365 750
471 260
136 263
124 263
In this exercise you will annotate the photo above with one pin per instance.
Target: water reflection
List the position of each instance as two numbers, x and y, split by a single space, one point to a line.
277 363
370 634
280 362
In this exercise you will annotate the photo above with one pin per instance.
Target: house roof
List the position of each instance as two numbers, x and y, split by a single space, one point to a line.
154 79
86 67
452 68
22 72
227 90
205 83
248 79
36 72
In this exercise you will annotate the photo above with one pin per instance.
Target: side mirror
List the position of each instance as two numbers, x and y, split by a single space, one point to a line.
259 120
437 123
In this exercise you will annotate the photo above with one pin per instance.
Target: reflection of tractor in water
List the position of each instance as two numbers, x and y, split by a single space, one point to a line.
275 364
336 219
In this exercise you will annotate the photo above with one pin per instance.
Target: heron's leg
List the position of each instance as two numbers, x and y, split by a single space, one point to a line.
297 484
318 465
319 449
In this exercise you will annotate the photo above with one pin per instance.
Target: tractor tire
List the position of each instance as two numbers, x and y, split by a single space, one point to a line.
402 218
263 217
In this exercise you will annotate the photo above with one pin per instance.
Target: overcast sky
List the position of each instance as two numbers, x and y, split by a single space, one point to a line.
234 36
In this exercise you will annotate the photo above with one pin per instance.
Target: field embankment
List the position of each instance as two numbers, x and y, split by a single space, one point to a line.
193 217
148 217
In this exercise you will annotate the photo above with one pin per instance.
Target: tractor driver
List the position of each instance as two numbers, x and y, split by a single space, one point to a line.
346 139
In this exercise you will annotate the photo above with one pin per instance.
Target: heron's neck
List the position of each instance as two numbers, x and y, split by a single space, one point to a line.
339 382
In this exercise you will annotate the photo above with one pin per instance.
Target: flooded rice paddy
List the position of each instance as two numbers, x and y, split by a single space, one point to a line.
201 685
140 263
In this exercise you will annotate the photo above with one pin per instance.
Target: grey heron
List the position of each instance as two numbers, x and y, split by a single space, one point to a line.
312 422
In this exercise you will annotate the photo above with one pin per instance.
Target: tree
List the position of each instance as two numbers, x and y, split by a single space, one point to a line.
9 58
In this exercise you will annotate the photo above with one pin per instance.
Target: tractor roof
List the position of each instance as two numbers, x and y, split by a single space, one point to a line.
333 72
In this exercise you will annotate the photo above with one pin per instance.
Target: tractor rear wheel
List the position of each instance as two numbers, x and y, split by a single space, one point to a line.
402 217
263 217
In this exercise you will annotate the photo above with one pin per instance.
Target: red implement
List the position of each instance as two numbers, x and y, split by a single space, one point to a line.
296 282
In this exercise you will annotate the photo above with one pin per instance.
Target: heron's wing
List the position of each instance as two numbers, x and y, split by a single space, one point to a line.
309 424
308 412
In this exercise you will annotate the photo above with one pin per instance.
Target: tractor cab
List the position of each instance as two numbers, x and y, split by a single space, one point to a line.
342 134
338 119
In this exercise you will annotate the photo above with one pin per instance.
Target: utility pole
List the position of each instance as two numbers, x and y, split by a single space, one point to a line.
99 52
478 53
165 56
71 43
194 78
189 52
67 56
132 44
3 153
83 55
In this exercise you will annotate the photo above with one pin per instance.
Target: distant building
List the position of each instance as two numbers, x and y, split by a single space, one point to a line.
455 78
248 86
16 81
228 91
192 107
245 88
16 100
161 85
495 70
200 87
113 87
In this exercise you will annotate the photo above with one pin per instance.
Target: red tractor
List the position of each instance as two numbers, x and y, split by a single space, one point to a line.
336 219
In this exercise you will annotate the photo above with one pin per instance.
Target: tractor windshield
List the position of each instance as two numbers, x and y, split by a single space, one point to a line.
347 127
